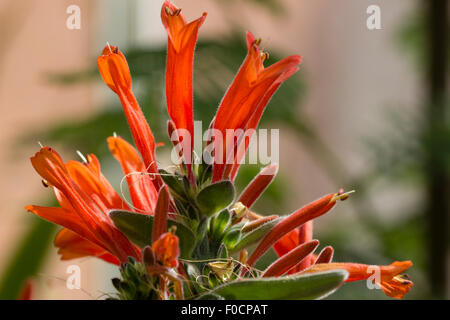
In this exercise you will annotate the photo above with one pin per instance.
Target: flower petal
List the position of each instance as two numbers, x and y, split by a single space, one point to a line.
291 259
167 249
71 246
114 68
142 190
258 185
311 211
389 280
247 97
50 166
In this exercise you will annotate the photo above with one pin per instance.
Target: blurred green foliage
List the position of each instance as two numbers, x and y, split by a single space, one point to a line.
28 258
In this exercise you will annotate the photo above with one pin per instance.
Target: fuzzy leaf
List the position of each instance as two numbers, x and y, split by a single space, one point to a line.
215 197
300 287
255 235
219 223
173 182
138 228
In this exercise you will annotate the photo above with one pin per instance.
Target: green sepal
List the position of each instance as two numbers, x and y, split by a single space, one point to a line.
215 197
174 182
255 235
138 229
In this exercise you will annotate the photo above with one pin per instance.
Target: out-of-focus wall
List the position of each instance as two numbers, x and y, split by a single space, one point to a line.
35 42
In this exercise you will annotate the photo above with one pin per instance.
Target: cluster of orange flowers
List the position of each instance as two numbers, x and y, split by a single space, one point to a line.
86 197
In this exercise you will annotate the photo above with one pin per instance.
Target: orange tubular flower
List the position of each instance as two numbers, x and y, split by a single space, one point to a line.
86 196
390 280
292 240
289 260
246 99
311 211
182 38
83 208
161 213
258 185
167 249
325 256
114 70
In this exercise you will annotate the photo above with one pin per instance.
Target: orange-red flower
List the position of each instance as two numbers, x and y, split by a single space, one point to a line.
311 211
114 70
86 197
291 248
258 185
142 190
84 200
390 280
167 249
245 101
182 38
294 239
290 259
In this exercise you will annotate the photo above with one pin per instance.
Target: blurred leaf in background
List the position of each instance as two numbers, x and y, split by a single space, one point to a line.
28 258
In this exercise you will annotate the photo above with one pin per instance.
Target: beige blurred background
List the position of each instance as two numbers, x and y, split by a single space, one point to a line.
358 69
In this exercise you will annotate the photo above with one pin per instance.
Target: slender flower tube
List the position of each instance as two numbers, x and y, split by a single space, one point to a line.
258 185
311 211
389 278
291 259
305 234
114 70
325 256
161 212
246 99
257 223
182 38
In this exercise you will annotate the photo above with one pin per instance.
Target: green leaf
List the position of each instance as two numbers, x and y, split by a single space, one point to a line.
215 197
138 229
300 287
255 235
